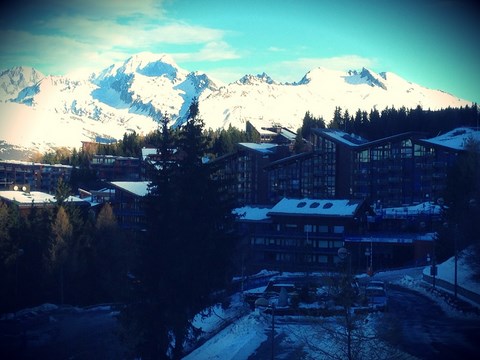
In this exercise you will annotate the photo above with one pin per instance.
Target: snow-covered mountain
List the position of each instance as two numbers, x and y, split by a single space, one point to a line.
41 112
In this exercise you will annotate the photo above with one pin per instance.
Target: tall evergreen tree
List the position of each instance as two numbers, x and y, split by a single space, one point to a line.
9 257
337 122
108 258
185 256
59 249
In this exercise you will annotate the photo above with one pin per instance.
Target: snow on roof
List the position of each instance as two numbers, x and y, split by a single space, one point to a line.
34 197
264 131
347 139
455 139
148 151
315 207
290 135
30 163
252 213
263 148
139 188
426 208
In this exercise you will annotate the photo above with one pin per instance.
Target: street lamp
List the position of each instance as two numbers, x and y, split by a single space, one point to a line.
441 202
272 306
262 303
19 254
368 254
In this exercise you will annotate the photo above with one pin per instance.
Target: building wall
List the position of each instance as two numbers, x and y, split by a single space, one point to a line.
128 209
397 170
245 175
116 168
293 243
39 177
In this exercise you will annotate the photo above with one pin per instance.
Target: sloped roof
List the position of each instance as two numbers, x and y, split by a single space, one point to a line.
138 188
252 213
455 139
265 148
35 198
315 207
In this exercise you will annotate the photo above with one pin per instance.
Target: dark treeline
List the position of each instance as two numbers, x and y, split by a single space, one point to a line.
376 124
59 254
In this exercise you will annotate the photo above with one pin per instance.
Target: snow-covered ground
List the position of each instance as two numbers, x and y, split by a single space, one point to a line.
236 332
319 340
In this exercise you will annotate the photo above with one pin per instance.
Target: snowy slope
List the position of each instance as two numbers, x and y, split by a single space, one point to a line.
41 112
319 92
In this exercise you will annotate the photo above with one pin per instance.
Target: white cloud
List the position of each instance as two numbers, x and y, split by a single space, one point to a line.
212 51
275 49
92 35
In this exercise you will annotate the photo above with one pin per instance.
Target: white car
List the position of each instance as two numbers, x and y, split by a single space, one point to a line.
376 298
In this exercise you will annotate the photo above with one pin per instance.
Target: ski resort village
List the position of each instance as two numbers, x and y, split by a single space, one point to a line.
213 180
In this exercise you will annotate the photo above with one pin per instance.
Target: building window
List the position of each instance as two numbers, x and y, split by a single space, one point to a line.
338 244
289 242
323 244
258 241
338 229
363 156
309 228
323 228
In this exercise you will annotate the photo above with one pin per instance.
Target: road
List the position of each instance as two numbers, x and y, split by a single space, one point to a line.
425 331
414 324
62 333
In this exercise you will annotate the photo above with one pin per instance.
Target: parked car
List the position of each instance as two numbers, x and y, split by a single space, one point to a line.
377 283
376 298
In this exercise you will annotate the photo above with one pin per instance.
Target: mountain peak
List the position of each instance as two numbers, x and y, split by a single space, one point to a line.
256 79
149 64
318 74
373 78
13 80
130 95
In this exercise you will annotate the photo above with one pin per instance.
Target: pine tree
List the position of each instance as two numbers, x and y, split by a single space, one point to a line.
62 192
108 258
9 253
185 256
59 249
338 122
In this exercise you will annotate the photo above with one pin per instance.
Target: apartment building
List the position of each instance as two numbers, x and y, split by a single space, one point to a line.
243 170
34 176
407 168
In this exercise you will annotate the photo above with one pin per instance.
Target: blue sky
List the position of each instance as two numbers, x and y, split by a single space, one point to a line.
434 43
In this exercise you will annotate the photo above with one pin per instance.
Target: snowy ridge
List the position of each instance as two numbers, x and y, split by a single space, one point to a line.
15 79
133 95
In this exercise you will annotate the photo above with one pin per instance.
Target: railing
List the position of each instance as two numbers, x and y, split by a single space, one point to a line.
470 295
